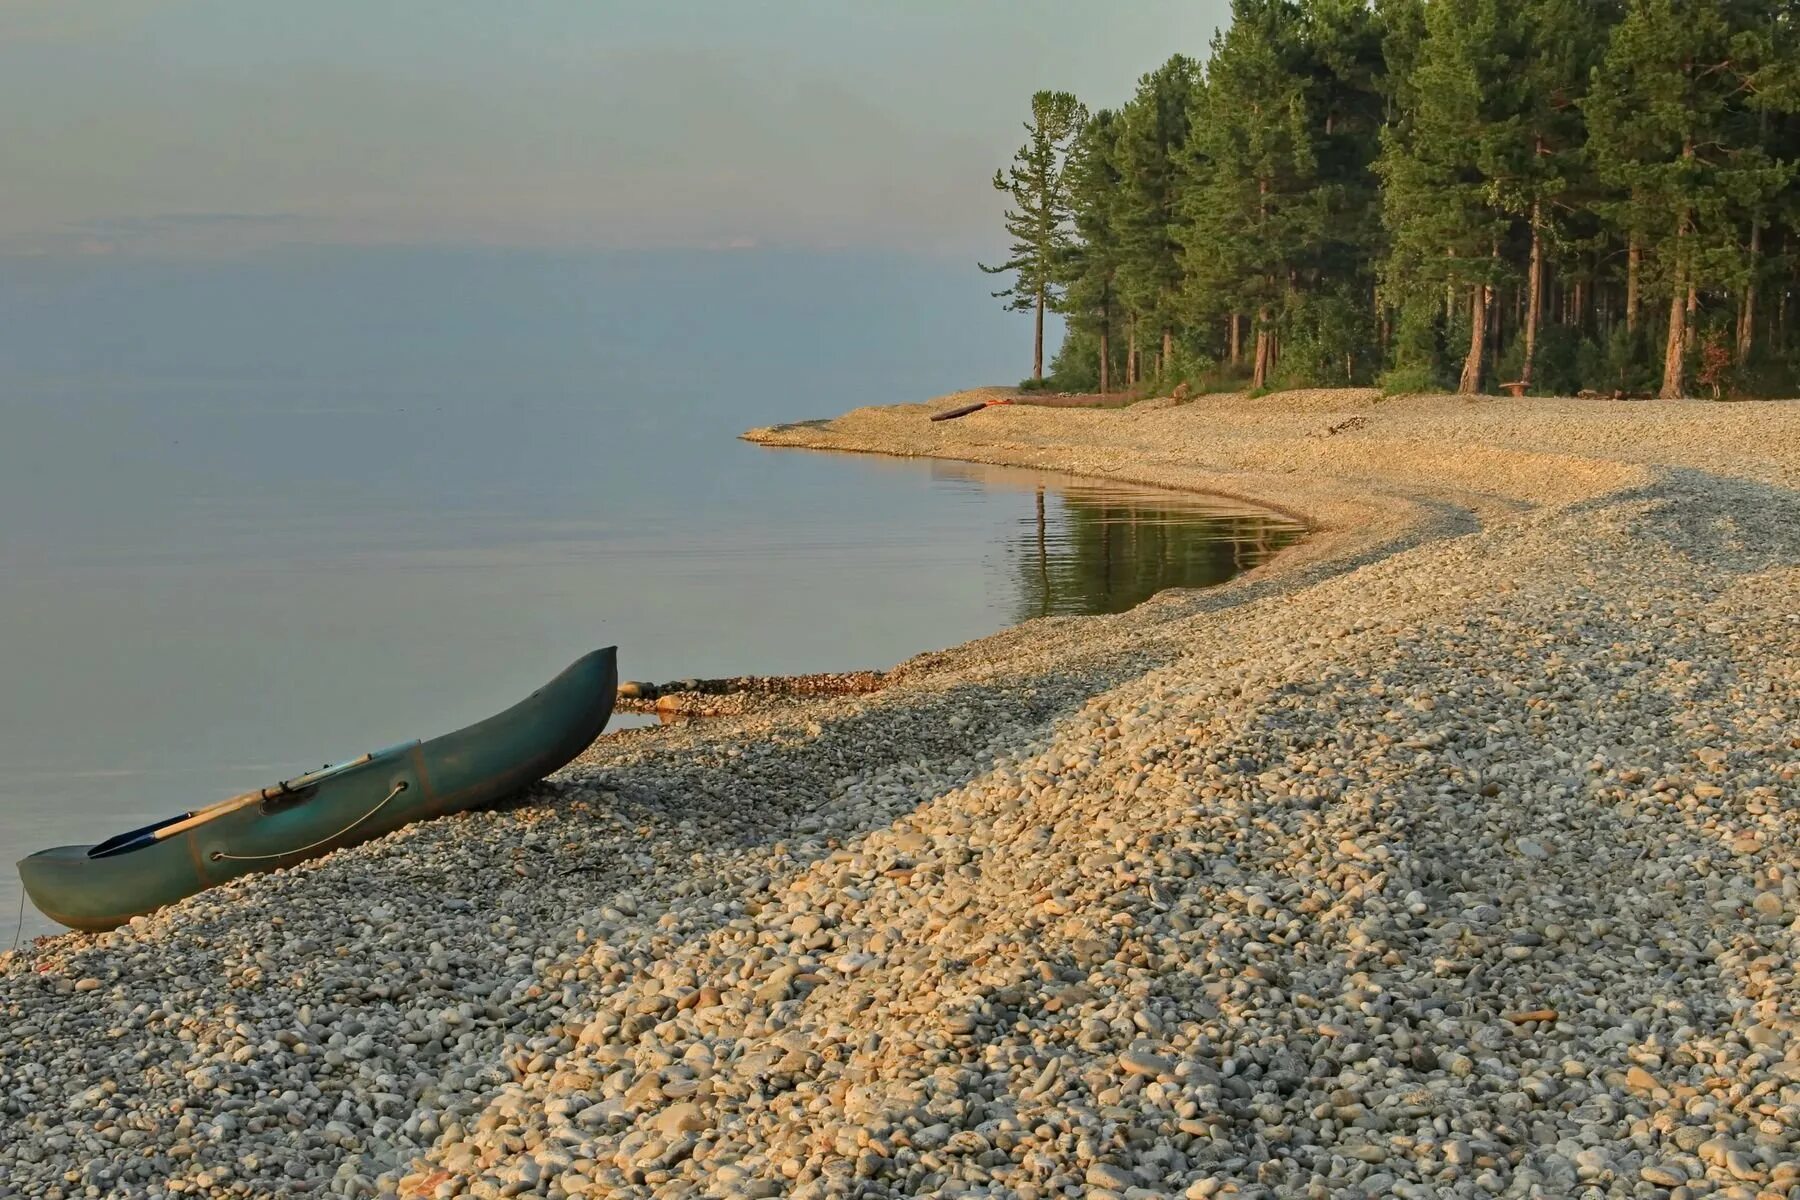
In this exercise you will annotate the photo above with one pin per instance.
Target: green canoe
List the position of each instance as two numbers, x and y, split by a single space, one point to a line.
104 885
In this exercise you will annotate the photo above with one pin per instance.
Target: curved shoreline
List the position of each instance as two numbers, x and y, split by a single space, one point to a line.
1351 876
1345 520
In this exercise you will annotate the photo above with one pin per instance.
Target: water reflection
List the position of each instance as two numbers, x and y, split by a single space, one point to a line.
1083 547
1095 553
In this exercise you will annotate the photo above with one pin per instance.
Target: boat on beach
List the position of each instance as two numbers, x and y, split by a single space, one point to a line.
103 885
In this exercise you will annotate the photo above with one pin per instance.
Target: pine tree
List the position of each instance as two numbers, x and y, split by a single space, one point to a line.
1676 125
1342 43
1544 168
1038 222
1089 273
1255 212
1485 180
1153 131
1441 161
1402 28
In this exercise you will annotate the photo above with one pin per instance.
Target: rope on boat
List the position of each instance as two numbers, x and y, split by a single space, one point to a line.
20 927
220 855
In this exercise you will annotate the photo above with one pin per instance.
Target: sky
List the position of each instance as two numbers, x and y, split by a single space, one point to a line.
190 129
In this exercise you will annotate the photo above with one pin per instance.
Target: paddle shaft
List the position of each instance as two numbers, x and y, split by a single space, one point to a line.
213 812
298 783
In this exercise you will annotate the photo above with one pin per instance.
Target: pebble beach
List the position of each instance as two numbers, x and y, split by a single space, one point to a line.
1455 852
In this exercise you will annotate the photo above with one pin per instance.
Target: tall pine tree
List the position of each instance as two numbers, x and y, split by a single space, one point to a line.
1153 130
1342 42
1038 222
1544 169
1090 268
1255 212
1676 120
1442 161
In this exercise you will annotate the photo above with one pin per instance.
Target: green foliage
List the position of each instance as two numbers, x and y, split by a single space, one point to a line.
1150 159
1350 178
1252 208
1189 365
1408 381
1419 361
1679 114
1090 267
1441 167
1769 375
1628 362
1076 366
1560 352
1328 341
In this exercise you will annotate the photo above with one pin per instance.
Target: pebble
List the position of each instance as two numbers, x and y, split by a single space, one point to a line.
1141 1062
1105 1175
1454 869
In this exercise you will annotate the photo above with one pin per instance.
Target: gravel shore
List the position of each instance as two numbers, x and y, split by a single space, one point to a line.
1455 852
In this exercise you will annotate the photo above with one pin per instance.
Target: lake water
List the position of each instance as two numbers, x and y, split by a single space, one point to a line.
261 517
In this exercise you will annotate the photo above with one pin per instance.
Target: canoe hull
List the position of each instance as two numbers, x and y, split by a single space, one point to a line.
472 766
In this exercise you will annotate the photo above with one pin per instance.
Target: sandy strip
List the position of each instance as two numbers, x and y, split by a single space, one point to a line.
1454 852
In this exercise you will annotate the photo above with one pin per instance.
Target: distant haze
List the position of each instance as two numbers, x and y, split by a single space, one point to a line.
185 128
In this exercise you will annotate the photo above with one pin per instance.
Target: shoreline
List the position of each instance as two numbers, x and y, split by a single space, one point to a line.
1242 888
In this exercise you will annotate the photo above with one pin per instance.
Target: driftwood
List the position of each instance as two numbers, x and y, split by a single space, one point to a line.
635 695
954 413
966 409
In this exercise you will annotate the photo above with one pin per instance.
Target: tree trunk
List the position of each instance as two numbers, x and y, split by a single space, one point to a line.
1259 371
1579 317
1236 340
1168 351
1747 310
1693 313
1672 386
1781 317
1633 258
1470 384
1534 292
1037 346
1105 353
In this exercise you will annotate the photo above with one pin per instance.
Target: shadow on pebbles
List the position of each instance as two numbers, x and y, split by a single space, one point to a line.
1468 870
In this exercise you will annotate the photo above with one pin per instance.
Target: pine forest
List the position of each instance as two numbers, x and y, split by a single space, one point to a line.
1533 196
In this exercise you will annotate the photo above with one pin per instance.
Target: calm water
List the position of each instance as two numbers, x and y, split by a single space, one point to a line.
256 523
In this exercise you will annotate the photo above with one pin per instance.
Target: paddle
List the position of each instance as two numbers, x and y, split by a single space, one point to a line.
151 834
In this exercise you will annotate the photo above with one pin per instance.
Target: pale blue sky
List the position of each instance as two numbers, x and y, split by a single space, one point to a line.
194 127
